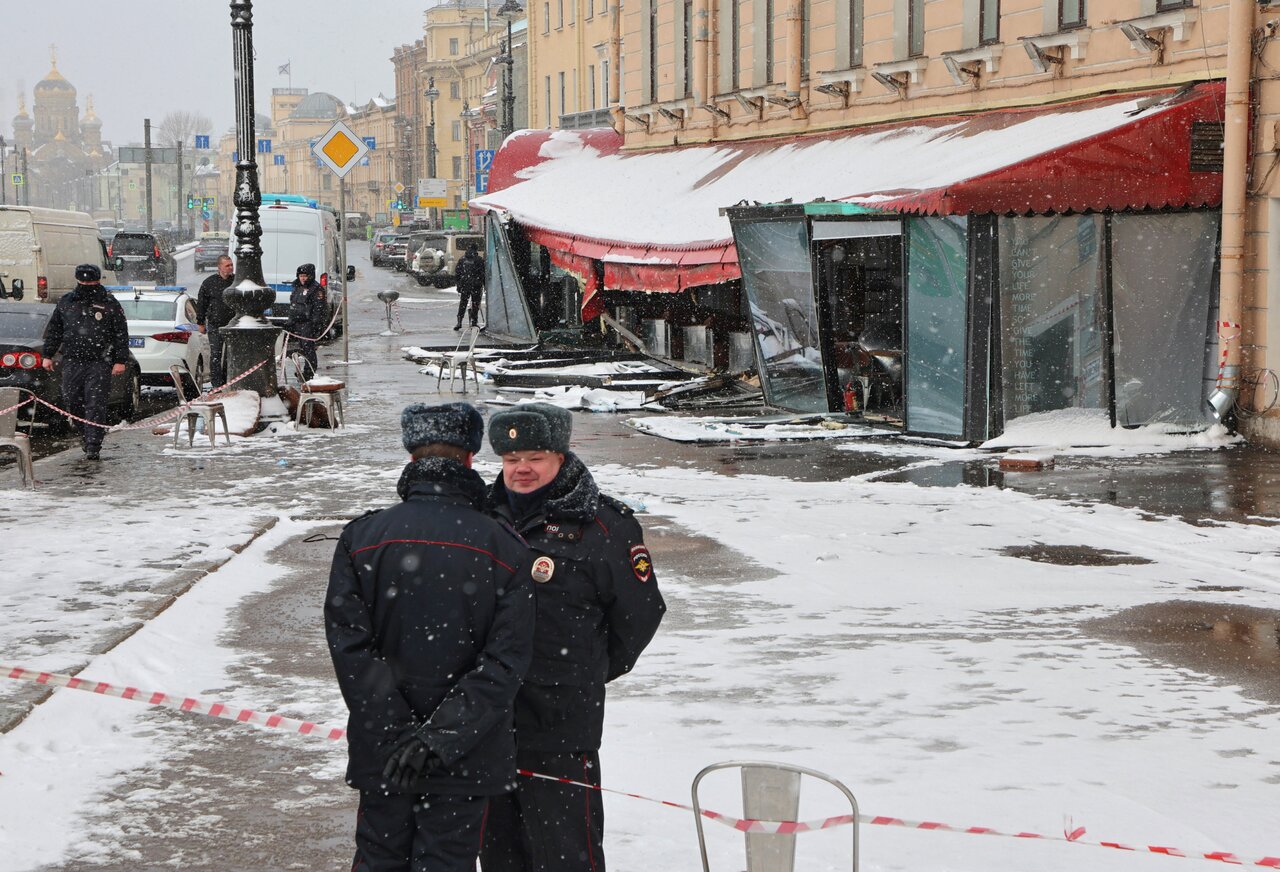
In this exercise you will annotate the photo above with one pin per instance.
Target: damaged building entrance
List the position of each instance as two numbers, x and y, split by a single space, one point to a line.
860 280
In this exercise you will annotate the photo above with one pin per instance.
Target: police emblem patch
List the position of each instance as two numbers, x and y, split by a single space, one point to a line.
543 569
97 316
641 563
511 434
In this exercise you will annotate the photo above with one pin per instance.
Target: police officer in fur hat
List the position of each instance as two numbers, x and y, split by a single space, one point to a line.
308 313
598 607
429 617
89 327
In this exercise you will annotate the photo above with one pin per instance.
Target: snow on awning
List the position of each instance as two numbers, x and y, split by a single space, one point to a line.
653 216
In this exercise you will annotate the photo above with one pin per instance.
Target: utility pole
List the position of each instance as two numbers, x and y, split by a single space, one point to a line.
178 214
4 177
26 180
146 142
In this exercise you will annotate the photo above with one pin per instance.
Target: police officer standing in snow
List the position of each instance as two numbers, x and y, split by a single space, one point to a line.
598 607
89 327
469 275
429 617
308 313
212 314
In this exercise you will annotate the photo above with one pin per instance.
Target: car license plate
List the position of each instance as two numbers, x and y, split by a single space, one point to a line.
137 341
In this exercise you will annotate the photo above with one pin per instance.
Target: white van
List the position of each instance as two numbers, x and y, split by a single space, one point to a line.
41 248
292 235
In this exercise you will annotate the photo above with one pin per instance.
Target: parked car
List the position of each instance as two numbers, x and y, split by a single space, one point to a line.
22 330
426 257
209 247
163 332
439 266
354 224
377 246
142 256
41 248
395 250
292 235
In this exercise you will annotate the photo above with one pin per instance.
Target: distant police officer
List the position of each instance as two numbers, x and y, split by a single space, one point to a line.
89 327
212 314
598 606
469 276
308 312
429 617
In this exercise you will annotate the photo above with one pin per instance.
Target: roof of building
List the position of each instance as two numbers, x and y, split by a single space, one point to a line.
54 82
319 105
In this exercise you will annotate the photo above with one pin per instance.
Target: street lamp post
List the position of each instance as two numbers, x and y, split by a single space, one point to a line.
4 176
510 11
432 94
252 339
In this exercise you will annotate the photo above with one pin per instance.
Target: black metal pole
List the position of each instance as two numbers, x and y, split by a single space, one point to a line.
4 176
146 141
509 96
248 194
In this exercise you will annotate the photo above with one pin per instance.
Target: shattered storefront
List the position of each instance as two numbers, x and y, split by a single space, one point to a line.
949 311
946 276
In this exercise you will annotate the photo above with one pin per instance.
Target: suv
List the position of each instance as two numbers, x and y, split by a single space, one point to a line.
143 256
378 244
438 258
393 251
209 247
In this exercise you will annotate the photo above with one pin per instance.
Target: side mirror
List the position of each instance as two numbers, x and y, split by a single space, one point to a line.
351 273
18 287
117 264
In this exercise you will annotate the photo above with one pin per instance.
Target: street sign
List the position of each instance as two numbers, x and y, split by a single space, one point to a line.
371 141
18 180
482 183
399 188
135 154
205 213
421 214
264 146
210 202
278 160
484 160
340 149
202 141
433 193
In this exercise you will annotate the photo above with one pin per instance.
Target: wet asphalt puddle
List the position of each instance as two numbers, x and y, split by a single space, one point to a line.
1072 555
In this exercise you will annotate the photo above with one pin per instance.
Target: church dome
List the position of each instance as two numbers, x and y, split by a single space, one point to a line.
320 106
22 121
90 118
54 83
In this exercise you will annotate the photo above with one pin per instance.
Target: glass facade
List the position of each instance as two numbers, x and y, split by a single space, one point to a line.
936 313
1053 321
505 309
1162 272
777 281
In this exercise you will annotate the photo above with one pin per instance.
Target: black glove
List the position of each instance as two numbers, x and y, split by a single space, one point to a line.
408 762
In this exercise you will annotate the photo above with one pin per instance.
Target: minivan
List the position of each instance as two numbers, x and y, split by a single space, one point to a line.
292 235
40 250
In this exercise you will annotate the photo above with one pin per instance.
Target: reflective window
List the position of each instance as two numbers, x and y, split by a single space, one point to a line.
505 310
1162 269
778 283
1052 316
937 271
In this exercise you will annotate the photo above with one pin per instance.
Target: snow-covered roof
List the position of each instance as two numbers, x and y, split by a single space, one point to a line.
672 197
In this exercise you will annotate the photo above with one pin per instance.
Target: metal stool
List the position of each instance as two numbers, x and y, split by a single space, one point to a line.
770 791
12 439
209 413
389 297
328 396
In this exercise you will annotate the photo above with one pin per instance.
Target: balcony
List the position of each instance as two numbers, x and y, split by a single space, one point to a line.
586 120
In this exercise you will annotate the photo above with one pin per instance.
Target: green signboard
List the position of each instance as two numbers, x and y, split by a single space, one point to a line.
456 219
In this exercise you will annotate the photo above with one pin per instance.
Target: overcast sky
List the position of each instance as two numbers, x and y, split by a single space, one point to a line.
145 58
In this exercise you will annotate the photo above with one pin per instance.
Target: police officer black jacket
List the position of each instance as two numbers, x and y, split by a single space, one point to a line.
308 310
598 608
429 616
87 325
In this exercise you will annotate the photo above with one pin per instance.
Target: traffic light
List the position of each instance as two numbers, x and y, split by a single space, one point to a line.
191 201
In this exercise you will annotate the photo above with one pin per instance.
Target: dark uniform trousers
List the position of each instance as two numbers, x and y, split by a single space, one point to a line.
474 299
406 833
86 390
217 366
515 837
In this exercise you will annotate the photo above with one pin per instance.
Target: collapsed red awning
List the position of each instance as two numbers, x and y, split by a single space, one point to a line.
652 217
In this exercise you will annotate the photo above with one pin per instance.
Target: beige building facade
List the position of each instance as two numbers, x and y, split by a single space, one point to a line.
570 78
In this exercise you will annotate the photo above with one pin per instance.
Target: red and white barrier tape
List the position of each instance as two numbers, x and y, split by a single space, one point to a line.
154 419
179 703
1225 341
17 407
306 728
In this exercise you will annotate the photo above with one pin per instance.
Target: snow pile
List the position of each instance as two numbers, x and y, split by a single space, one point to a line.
1075 431
587 399
719 429
243 408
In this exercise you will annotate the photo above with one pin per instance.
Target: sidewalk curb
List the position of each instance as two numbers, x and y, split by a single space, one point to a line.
182 581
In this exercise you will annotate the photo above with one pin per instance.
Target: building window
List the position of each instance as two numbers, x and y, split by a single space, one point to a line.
454 90
1165 5
453 45
915 28
1072 13
562 95
855 33
455 130
768 42
546 17
989 22
548 102
806 15
735 44
688 48
573 11
591 77
457 166
559 14
591 9
604 82
653 51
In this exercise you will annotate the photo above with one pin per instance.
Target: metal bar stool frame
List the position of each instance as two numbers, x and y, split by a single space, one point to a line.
11 439
197 410
785 840
307 398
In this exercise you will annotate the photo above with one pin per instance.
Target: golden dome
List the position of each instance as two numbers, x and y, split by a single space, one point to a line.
54 82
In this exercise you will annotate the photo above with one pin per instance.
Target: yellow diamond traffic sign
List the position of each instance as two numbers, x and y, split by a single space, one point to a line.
340 149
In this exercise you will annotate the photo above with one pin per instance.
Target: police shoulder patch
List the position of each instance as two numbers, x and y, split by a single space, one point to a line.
641 562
